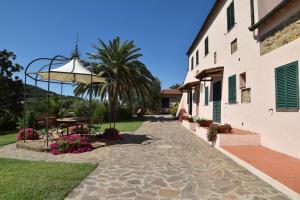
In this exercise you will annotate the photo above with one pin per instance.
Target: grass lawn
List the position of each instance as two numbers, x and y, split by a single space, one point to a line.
125 126
7 137
40 180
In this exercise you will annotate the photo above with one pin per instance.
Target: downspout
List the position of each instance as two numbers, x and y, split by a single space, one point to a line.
252 12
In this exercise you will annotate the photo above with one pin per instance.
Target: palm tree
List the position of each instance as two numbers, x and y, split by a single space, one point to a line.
118 63
175 86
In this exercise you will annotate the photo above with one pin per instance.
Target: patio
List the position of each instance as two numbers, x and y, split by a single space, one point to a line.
177 165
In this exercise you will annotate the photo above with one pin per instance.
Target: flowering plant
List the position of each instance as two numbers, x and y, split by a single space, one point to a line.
70 144
30 134
112 134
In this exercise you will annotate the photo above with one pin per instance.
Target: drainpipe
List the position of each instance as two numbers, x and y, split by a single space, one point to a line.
252 12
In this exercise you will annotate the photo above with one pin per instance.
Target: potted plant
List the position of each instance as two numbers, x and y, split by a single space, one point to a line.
212 133
226 128
203 122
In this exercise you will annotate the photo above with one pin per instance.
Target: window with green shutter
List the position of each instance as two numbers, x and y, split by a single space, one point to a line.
230 17
197 57
192 63
206 96
287 88
232 89
206 47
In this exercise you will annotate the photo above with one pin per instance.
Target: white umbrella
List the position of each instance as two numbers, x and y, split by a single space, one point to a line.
74 72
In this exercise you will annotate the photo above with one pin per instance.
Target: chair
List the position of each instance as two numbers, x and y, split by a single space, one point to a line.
53 128
97 128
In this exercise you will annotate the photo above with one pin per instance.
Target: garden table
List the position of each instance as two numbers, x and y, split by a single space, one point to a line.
71 121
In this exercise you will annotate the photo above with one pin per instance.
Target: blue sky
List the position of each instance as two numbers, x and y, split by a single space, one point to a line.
164 29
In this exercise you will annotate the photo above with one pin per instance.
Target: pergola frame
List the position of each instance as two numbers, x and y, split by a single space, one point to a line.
56 60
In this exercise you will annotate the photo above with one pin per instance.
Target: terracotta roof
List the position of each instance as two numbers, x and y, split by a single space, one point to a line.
210 72
189 85
171 92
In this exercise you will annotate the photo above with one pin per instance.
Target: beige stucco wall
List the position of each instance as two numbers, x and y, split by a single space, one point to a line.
279 131
265 6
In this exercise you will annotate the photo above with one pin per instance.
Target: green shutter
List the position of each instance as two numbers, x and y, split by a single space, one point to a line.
280 88
287 87
206 96
230 16
206 46
232 89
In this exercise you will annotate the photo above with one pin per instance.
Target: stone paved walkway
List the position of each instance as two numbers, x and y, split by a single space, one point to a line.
176 165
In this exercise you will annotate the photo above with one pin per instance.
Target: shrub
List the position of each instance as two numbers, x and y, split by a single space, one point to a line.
124 112
174 110
101 111
30 134
228 128
203 122
212 132
112 134
70 144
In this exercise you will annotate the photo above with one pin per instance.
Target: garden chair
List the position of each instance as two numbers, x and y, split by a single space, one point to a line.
53 128
96 126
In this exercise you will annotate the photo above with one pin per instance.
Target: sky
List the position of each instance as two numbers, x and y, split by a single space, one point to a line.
163 29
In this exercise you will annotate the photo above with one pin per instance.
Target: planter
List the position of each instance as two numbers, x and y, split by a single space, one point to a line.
205 123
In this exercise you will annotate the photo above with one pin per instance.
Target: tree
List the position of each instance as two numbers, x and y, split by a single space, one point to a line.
118 63
11 89
175 86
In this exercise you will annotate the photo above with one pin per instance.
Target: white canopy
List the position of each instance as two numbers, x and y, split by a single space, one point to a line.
73 71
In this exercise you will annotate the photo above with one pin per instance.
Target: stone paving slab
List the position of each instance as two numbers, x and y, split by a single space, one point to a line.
175 165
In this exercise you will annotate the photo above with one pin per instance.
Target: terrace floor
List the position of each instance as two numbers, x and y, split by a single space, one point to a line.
281 167
174 164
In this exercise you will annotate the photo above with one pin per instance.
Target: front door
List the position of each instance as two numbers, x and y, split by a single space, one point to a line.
217 96
190 102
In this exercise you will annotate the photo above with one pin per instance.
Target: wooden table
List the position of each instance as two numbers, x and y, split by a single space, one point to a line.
71 121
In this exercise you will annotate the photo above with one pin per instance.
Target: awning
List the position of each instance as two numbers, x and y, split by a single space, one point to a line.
211 72
189 86
73 71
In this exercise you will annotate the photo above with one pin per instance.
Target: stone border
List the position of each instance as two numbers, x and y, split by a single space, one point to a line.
28 146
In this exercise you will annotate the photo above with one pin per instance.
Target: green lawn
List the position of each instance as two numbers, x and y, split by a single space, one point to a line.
40 180
7 137
125 126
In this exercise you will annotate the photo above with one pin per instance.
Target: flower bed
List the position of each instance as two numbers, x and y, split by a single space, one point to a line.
111 134
70 144
30 134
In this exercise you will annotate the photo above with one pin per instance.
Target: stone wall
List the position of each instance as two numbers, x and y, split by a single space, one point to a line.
281 35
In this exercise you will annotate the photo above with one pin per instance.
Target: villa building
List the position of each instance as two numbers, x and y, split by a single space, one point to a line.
244 70
169 99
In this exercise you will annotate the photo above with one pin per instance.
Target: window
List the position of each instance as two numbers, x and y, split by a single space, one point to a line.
246 95
230 17
243 80
197 58
165 102
232 89
192 63
206 96
206 50
287 88
234 46
215 58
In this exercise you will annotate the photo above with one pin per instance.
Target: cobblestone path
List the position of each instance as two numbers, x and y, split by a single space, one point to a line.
172 164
